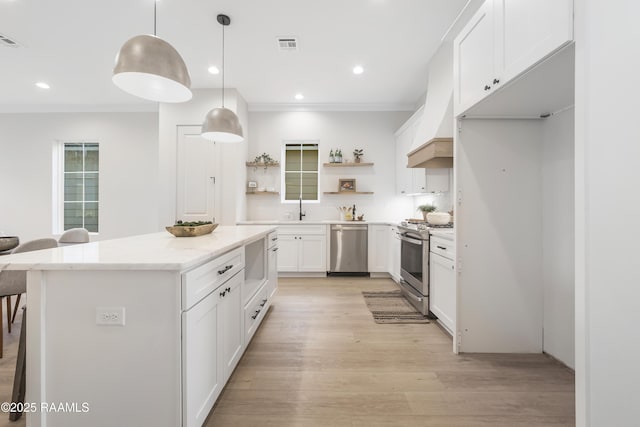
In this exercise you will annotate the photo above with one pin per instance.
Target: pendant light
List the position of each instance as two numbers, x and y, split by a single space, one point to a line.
150 68
222 124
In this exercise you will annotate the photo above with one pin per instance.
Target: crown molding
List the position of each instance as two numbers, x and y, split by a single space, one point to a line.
272 107
80 108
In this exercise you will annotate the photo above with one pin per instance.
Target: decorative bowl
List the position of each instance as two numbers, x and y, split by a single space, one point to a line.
191 231
438 218
8 242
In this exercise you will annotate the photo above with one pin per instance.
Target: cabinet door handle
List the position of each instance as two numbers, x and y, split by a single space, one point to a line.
441 247
264 301
228 290
496 81
255 315
274 239
225 269
275 249
487 87
223 293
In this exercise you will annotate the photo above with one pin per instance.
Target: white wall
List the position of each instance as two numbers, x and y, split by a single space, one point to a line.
128 170
558 236
371 131
607 212
231 179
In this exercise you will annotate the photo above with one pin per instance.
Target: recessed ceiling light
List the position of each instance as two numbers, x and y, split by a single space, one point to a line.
299 96
213 70
358 69
43 85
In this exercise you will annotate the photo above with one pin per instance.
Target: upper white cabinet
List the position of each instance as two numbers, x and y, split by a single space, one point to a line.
404 175
429 180
504 39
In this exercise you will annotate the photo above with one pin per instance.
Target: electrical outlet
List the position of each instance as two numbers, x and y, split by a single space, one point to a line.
110 316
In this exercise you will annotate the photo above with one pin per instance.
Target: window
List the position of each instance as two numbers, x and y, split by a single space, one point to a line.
79 193
301 171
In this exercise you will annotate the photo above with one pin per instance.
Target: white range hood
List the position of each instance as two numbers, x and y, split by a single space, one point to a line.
433 142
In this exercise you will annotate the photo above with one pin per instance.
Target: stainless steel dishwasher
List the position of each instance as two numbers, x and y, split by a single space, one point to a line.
348 248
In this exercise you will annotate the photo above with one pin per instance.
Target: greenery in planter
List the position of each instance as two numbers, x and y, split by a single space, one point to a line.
265 158
425 209
357 153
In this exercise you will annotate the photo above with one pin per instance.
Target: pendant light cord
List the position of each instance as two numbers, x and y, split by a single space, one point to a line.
223 66
155 19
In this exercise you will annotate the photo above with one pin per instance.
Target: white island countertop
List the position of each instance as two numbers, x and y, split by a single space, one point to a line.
314 222
156 251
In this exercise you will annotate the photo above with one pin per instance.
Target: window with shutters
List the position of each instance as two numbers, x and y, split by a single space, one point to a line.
300 172
78 175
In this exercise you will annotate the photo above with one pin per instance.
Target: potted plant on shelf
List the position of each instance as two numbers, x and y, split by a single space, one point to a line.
338 156
425 209
357 154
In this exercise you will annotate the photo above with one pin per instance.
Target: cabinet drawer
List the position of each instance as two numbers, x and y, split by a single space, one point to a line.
272 239
254 311
199 282
442 246
302 229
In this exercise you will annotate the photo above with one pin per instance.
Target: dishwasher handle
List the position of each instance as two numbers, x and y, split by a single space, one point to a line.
339 227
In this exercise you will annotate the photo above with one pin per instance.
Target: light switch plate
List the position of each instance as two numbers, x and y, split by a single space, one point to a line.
110 316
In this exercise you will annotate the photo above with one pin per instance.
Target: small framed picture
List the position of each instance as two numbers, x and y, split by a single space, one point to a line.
347 185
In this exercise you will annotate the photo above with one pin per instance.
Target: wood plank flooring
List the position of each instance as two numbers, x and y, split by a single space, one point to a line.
320 360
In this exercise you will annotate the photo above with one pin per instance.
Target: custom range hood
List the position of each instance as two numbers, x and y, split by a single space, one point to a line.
433 142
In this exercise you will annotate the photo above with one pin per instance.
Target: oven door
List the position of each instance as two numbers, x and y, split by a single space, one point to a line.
412 263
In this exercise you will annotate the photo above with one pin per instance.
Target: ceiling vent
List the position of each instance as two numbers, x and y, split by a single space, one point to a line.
288 44
7 42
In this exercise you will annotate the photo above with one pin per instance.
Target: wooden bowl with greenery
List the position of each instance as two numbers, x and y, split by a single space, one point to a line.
191 229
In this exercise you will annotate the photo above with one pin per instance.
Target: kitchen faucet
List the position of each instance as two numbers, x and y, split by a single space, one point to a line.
301 213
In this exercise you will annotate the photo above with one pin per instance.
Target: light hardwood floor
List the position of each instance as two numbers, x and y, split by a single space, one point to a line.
320 360
8 367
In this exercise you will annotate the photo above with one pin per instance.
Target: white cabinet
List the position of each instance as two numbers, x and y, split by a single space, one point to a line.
404 141
442 281
230 324
272 264
302 248
212 344
394 253
504 39
202 372
378 247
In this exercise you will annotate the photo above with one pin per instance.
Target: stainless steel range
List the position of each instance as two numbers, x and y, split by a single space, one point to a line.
414 264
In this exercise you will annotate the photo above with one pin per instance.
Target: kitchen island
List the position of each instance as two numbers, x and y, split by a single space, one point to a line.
143 330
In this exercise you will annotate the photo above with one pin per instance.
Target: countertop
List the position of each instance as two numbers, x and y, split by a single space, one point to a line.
156 251
310 222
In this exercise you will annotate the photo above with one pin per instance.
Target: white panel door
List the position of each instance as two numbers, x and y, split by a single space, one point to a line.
442 277
287 253
230 324
378 248
394 253
403 146
418 181
201 371
196 171
532 30
313 253
473 70
438 180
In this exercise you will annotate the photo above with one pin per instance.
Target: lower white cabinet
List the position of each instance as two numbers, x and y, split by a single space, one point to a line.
213 342
394 253
442 277
302 249
378 247
272 271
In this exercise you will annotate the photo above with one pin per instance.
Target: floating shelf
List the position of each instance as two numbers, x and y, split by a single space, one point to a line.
264 193
345 165
263 165
348 192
